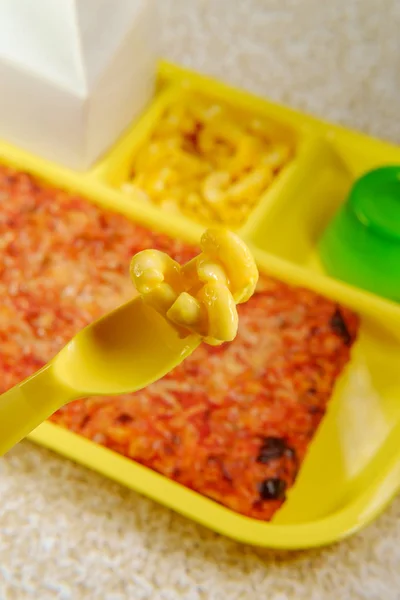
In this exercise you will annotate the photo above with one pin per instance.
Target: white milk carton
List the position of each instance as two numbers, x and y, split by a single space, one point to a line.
74 73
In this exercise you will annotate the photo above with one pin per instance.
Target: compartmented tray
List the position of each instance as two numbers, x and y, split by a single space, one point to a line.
352 468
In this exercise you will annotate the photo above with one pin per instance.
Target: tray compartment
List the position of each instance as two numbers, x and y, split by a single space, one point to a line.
245 167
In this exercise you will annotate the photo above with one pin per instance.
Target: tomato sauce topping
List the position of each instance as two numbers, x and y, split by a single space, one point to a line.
232 422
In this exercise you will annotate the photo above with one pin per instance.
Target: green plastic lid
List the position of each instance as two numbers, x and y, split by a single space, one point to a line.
361 245
375 201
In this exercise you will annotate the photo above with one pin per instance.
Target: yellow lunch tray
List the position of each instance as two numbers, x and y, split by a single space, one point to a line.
352 469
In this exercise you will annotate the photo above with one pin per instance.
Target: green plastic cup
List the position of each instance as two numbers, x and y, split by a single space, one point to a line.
361 245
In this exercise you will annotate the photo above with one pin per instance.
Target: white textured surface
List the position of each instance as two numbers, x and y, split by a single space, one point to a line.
339 60
68 534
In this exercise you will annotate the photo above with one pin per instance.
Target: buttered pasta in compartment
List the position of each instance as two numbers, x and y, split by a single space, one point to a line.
208 160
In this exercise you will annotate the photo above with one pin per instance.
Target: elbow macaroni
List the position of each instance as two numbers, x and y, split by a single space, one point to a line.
201 296
208 159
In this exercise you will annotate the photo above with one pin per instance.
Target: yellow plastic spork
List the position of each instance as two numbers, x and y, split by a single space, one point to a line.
146 338
122 352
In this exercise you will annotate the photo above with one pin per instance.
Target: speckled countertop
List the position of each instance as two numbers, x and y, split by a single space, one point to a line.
69 534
